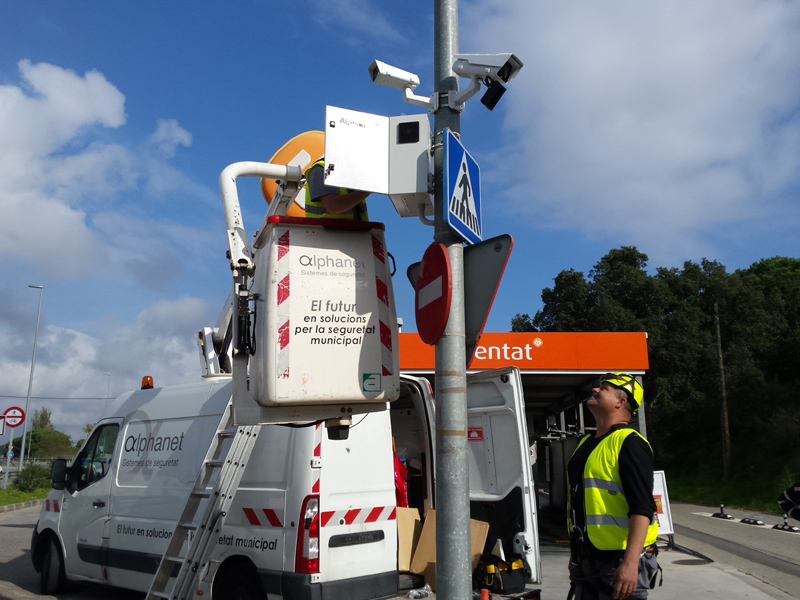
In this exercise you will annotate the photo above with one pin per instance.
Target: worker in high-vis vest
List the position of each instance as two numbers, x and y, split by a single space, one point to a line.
327 202
611 510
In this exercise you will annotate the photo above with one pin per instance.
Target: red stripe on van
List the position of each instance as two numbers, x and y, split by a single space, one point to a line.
283 245
374 514
326 516
283 336
382 290
393 516
351 516
272 517
377 249
386 335
283 290
56 508
251 516
315 487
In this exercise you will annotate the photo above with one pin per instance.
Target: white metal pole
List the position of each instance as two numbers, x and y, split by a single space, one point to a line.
30 381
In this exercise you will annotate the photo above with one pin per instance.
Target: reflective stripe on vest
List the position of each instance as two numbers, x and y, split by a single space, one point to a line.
316 209
604 501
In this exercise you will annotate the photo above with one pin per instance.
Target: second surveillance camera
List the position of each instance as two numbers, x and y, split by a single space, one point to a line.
495 66
390 76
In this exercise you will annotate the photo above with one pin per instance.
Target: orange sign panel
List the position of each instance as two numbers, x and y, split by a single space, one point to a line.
540 352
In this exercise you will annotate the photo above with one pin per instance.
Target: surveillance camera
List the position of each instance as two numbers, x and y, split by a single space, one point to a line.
495 66
494 91
390 76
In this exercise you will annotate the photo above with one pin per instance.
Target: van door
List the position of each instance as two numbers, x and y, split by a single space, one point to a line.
500 473
85 509
358 533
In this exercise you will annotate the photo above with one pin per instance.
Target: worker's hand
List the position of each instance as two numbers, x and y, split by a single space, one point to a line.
625 579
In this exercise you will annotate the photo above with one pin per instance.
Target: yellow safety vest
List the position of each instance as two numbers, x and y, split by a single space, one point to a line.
604 501
316 210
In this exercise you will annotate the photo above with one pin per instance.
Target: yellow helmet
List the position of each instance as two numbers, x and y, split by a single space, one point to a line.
629 384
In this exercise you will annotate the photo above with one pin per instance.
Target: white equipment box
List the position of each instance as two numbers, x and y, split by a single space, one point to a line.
383 155
326 329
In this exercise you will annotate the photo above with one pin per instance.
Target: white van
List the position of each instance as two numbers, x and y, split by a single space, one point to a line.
112 512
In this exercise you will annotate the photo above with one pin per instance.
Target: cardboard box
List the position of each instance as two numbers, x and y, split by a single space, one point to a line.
409 527
424 560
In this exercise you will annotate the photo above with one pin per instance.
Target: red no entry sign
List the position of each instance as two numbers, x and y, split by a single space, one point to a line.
14 416
433 293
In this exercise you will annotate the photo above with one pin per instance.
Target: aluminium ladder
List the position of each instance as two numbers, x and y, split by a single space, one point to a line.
200 534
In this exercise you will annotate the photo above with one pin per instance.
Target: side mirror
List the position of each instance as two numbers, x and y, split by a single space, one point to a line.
58 474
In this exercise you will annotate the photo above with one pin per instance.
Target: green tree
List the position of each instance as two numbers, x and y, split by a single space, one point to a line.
759 312
46 443
566 305
42 419
522 323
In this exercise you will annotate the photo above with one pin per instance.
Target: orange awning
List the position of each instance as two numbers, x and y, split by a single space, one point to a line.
542 352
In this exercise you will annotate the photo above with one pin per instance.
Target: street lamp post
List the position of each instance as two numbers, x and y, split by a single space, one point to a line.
108 387
30 381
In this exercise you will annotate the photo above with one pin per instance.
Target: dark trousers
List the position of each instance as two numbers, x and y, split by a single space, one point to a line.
595 581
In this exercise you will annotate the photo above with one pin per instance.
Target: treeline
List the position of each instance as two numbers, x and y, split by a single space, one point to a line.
759 324
43 440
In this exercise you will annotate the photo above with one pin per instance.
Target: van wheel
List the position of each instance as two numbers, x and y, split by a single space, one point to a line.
52 578
239 584
245 590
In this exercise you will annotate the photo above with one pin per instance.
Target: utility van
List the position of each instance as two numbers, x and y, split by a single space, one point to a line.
304 413
115 508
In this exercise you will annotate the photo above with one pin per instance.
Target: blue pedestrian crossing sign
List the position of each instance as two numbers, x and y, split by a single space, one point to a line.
462 190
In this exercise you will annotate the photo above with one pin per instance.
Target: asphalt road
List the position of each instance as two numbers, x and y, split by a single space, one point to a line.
770 556
18 579
767 554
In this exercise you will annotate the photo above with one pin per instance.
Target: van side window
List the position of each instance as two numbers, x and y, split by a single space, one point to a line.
94 461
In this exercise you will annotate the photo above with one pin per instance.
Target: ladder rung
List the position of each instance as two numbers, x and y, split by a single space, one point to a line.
225 433
201 493
190 526
214 463
159 595
175 559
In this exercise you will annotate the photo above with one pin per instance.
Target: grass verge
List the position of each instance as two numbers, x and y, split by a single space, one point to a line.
12 495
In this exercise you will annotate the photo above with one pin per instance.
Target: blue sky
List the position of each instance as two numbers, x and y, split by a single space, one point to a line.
671 126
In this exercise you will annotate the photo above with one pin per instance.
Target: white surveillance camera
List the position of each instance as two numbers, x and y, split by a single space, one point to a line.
503 67
390 76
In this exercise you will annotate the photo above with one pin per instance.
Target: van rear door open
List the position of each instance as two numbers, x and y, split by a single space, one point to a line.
500 476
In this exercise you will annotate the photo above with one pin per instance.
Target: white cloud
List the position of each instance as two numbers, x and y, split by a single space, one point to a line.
168 136
59 104
70 365
363 17
77 205
61 182
649 123
100 170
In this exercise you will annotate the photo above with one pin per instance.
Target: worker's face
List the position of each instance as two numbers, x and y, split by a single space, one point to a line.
603 396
